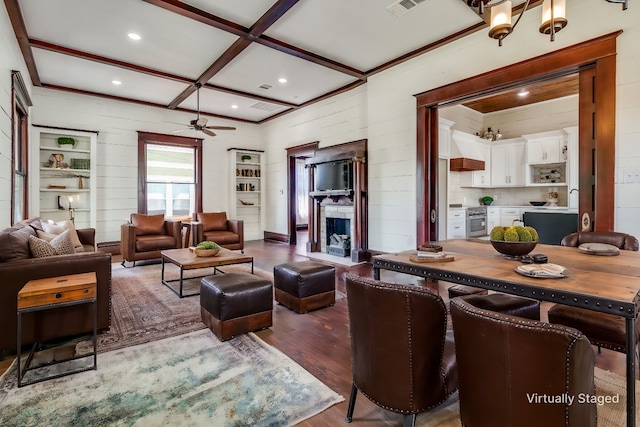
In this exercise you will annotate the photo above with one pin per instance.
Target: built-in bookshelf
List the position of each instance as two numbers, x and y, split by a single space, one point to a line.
246 194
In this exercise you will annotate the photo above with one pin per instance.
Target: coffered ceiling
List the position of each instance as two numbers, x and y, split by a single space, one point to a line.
239 50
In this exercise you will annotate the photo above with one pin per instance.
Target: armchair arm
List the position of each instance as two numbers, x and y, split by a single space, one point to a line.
127 241
87 236
237 226
174 228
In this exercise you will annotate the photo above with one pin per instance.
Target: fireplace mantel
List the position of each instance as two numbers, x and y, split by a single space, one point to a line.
356 152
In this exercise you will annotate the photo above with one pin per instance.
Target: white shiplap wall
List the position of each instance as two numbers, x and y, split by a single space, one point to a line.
118 123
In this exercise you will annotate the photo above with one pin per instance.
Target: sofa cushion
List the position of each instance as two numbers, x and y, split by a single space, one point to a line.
213 221
14 243
148 224
50 231
221 237
60 245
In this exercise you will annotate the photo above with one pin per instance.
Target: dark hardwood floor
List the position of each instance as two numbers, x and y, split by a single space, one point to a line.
319 340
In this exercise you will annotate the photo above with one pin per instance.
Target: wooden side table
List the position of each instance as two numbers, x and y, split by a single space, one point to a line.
52 293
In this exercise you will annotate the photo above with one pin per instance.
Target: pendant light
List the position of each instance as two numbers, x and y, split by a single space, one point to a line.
553 17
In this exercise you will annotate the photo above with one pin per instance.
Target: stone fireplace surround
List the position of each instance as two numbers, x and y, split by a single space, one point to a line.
335 211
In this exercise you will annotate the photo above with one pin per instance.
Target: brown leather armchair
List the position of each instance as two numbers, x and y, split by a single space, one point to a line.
403 360
145 236
215 227
506 363
603 330
621 240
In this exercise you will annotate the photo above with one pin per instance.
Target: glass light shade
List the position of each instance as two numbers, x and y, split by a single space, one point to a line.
559 16
500 20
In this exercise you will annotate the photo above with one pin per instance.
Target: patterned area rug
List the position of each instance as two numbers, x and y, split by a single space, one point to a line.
143 309
609 414
191 379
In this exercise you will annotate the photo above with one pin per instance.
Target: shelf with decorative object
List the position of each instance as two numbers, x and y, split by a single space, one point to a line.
64 175
246 195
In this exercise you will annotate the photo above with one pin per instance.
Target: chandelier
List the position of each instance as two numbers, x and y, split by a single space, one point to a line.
553 16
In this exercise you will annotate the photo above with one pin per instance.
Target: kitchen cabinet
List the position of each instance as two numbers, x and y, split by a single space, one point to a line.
456 224
493 218
444 137
479 178
508 215
508 164
546 147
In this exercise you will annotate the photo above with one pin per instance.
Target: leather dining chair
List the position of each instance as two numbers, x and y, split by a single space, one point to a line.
507 363
402 357
603 330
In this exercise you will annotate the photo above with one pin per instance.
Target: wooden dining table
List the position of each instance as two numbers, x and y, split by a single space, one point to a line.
606 284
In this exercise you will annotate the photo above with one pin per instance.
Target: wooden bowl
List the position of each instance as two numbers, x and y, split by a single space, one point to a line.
206 252
513 248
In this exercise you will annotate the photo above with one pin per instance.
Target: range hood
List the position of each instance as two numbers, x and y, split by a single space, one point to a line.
466 155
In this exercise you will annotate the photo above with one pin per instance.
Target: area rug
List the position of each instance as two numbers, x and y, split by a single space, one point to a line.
191 379
609 414
143 309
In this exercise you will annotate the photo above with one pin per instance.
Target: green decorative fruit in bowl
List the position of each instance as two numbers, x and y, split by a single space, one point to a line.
515 240
207 248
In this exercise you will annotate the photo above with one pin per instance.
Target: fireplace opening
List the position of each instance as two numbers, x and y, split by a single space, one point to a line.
338 236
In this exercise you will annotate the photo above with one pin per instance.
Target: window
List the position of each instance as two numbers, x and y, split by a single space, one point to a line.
19 149
170 175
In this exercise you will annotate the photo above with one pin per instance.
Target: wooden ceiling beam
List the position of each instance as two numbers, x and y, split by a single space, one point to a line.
248 95
20 30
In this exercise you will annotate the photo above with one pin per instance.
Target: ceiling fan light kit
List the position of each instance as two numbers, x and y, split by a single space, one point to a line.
553 16
200 123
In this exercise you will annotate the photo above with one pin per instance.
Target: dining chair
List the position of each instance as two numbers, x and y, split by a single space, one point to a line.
603 330
507 363
403 359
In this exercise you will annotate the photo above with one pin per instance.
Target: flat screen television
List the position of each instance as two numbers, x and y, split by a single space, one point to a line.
334 176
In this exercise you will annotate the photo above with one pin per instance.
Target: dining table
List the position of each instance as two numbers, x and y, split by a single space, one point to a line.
606 284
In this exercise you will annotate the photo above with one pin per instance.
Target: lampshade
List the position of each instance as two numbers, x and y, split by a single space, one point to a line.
559 16
500 21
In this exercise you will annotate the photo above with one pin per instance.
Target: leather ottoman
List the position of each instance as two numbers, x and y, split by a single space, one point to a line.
235 303
510 304
305 286
462 290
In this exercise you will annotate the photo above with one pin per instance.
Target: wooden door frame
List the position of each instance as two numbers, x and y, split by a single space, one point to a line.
305 150
600 52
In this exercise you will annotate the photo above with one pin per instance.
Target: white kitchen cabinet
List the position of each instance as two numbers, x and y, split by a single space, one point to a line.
444 137
456 224
546 147
508 215
493 218
481 178
508 164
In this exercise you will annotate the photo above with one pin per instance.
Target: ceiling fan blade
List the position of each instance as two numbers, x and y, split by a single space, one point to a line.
221 127
208 132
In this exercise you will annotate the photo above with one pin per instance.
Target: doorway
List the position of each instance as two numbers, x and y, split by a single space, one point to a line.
296 191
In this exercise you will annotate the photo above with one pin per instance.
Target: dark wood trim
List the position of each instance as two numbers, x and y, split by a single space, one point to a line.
586 149
601 51
277 237
63 128
245 149
293 153
249 95
20 30
145 138
20 103
138 102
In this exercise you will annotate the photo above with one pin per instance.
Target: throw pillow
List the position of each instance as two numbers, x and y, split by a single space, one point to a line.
60 245
61 226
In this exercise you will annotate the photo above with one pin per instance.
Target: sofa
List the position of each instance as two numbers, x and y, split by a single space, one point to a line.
18 266
215 227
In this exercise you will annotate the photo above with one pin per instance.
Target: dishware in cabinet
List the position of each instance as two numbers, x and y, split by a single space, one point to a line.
246 200
63 180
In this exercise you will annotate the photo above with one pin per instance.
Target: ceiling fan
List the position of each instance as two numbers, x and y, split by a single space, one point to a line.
200 123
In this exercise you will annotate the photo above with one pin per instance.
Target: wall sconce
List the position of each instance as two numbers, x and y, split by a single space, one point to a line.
553 16
69 200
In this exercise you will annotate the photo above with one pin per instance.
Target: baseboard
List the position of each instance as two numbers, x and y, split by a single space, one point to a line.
278 237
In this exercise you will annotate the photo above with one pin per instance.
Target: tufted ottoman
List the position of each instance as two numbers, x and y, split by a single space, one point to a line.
304 286
235 303
462 290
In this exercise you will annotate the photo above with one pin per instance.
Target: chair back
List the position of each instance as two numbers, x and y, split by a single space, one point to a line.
506 364
398 345
621 240
148 224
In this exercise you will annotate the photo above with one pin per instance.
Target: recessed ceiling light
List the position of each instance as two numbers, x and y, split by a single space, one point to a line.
282 80
134 36
523 92
234 106
116 82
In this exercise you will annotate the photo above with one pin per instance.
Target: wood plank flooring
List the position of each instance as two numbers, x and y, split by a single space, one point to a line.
319 341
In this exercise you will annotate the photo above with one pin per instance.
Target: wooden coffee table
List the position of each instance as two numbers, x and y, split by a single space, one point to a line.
185 259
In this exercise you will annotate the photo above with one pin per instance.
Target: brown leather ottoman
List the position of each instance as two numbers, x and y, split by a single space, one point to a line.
235 303
462 290
509 304
304 286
